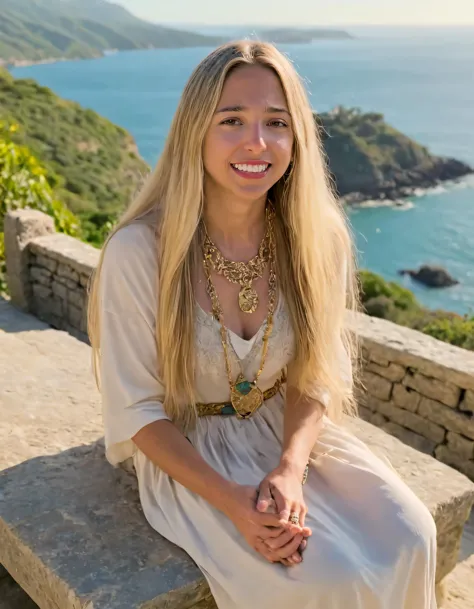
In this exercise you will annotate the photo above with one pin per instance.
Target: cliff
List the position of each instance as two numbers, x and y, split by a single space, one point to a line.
370 159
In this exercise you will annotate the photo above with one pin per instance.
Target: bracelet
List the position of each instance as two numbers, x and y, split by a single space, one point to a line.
305 474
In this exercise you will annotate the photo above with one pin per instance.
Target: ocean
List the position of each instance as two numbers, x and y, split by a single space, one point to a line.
421 79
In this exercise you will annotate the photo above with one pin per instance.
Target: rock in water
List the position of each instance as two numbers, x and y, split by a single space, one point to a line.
431 276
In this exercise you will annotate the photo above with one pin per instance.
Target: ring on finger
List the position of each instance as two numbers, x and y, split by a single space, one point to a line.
294 518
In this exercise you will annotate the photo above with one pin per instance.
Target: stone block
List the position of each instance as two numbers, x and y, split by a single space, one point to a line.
84 280
59 290
40 275
442 391
20 228
64 270
450 457
74 315
41 292
378 419
392 372
460 445
413 421
376 385
405 398
449 543
409 437
47 263
378 358
452 420
468 401
77 297
364 412
460 586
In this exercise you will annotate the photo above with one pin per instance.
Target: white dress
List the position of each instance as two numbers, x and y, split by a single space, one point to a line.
374 542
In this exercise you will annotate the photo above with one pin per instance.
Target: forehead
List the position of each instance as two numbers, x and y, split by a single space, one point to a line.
252 86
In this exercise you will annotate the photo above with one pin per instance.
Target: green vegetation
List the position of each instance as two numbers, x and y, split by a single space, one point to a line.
23 184
92 164
388 300
366 155
45 29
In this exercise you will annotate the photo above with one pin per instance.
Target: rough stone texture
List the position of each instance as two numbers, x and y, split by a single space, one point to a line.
447 417
377 386
412 421
406 398
405 435
20 227
393 343
443 391
50 429
460 586
392 372
468 402
460 445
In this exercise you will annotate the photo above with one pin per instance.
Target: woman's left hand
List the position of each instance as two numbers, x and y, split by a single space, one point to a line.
282 489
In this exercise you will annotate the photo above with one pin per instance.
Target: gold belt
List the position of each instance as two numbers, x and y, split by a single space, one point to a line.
226 408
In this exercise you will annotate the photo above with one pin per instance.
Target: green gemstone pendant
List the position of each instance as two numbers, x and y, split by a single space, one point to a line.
245 397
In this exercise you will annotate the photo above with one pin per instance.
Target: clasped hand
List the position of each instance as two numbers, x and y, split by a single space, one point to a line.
264 519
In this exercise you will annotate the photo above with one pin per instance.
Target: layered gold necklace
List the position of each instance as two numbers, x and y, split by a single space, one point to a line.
245 396
243 273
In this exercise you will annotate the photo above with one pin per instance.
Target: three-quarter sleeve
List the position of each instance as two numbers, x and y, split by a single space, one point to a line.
132 394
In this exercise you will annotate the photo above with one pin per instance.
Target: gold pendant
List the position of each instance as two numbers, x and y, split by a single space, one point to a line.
248 299
245 397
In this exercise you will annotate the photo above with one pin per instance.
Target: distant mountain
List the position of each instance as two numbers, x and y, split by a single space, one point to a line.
296 35
37 30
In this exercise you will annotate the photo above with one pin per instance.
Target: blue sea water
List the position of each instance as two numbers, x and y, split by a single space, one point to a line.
421 79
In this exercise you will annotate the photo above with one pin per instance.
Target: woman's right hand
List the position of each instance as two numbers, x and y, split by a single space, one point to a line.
259 528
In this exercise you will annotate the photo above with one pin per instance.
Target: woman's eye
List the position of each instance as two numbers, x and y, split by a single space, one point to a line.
278 123
231 121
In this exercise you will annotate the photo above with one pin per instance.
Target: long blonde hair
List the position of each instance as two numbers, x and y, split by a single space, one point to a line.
316 260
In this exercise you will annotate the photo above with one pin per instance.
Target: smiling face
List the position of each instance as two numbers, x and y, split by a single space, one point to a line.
248 145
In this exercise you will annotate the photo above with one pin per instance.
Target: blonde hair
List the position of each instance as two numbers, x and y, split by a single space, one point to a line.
316 261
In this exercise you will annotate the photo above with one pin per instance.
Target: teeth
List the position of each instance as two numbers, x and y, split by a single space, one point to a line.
251 168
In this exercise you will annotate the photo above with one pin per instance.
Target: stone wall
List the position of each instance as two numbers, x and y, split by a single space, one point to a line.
417 388
420 390
48 273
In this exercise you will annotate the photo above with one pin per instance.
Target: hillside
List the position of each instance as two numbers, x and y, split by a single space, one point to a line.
36 30
370 159
92 163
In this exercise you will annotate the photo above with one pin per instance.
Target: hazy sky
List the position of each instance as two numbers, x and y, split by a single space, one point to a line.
307 12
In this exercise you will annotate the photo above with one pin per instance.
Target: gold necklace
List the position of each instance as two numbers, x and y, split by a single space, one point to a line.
243 273
245 396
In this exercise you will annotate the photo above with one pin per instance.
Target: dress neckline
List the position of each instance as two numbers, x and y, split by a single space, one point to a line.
253 338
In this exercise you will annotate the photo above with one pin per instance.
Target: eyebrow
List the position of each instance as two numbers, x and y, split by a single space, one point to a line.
268 109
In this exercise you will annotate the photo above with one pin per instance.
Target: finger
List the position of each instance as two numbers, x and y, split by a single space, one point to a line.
264 498
303 512
265 552
290 548
269 532
282 504
267 520
278 542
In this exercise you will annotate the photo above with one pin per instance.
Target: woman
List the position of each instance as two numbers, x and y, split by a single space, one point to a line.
218 323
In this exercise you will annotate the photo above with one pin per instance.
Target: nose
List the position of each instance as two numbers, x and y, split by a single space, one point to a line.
256 142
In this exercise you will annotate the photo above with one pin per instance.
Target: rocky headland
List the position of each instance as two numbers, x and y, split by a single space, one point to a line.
371 160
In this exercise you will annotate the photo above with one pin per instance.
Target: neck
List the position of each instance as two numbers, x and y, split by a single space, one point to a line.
236 228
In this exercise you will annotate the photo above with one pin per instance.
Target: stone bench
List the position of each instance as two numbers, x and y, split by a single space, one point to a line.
72 533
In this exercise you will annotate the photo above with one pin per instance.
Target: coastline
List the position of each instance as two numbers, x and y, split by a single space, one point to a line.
358 200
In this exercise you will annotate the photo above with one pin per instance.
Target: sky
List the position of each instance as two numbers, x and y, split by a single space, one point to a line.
305 12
